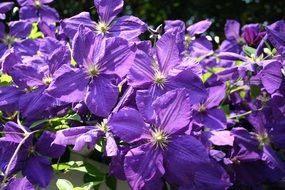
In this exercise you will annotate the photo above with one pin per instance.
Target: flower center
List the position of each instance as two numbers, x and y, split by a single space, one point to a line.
93 70
47 80
263 139
102 27
202 108
160 138
37 3
31 150
159 79
8 40
103 126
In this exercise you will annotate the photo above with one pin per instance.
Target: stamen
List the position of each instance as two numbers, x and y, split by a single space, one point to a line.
102 28
160 79
160 138
93 70
47 80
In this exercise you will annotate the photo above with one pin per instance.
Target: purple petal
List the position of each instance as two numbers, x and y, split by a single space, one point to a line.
101 96
9 98
277 39
167 52
59 57
271 76
216 96
111 145
28 13
144 167
199 27
108 9
222 138
20 184
200 47
232 29
128 124
215 119
173 111
181 153
128 27
193 84
69 136
14 133
70 26
141 74
6 6
20 29
272 159
48 14
45 147
88 139
38 171
70 86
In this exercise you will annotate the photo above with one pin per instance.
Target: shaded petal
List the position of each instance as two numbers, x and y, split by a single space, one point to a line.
9 98
141 74
173 111
6 6
199 27
271 76
215 119
20 29
70 26
45 147
200 47
70 86
101 96
68 136
48 14
108 9
13 132
128 27
272 159
216 96
181 153
167 52
128 124
232 29
88 48
28 13
26 47
88 139
144 167
111 145
277 39
38 171
58 58
119 57
20 184
193 84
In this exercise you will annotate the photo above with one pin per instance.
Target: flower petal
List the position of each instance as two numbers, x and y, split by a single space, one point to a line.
108 9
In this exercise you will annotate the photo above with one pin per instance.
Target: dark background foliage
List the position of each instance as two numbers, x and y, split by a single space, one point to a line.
154 12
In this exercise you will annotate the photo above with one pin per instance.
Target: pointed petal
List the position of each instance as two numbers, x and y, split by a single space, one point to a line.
232 29
143 167
38 171
216 96
108 9
215 119
271 77
128 124
9 98
20 29
20 184
199 27
88 139
222 138
167 52
128 27
101 96
173 111
272 159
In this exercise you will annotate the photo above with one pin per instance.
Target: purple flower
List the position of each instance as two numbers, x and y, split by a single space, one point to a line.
101 64
206 112
154 75
163 148
4 8
31 158
22 183
128 27
34 9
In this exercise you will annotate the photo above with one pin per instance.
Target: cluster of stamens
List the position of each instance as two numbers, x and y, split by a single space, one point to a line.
159 138
47 80
263 139
8 40
202 108
102 27
93 70
159 79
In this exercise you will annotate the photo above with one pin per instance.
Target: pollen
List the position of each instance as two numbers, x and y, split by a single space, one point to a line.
160 138
47 80
159 79
102 27
37 3
93 70
263 139
202 108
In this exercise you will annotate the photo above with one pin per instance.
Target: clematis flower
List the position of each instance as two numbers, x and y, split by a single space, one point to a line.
34 10
4 8
154 75
101 64
31 158
19 30
207 113
163 151
128 27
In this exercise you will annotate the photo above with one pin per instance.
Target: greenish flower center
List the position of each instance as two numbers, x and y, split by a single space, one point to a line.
102 27
37 3
160 138
202 108
263 139
47 80
159 79
8 40
93 70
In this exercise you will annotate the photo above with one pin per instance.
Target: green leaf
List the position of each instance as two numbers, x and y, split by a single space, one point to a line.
207 75
63 184
111 182
226 109
35 33
5 80
92 170
254 91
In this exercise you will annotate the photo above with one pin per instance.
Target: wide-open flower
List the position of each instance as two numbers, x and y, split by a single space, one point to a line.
101 63
128 27
35 9
4 8
207 112
32 159
153 75
163 148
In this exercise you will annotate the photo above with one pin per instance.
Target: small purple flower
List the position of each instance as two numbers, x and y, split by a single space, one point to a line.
34 9
128 27
163 148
